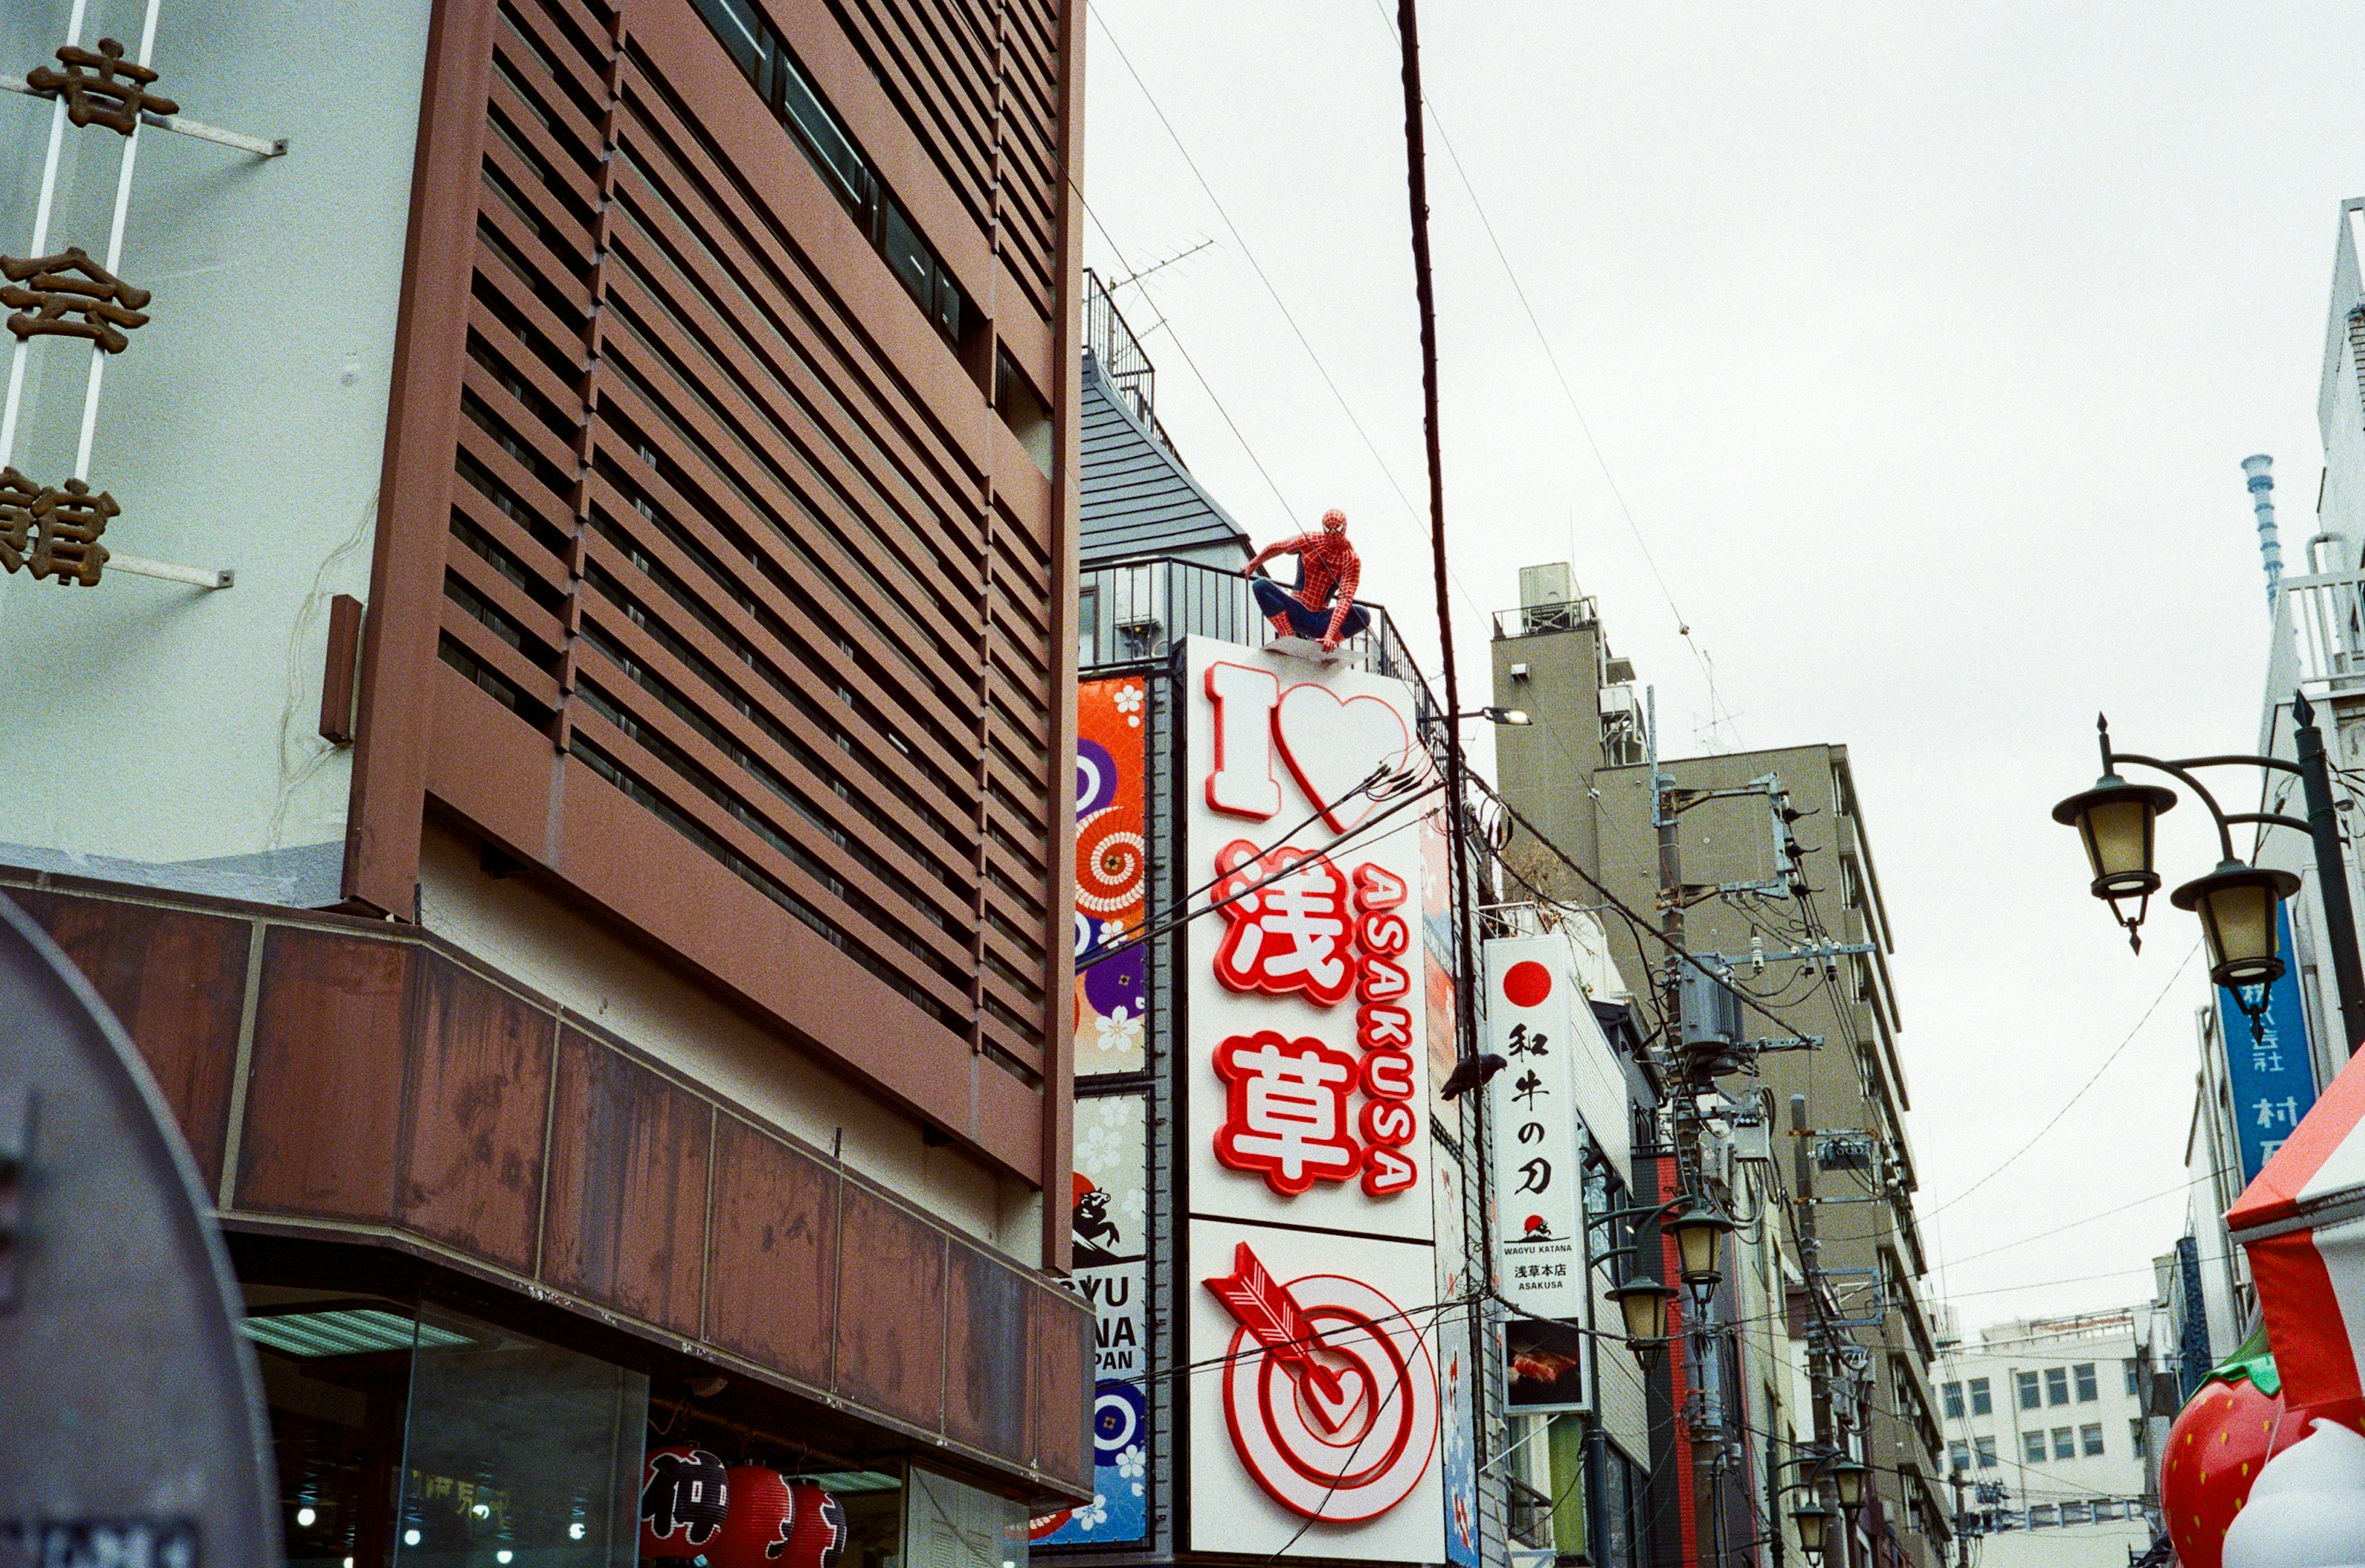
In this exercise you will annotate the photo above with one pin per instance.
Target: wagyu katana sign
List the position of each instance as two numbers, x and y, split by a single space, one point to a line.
1302 1070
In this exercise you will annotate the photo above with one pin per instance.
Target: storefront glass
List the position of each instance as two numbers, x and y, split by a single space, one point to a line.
521 1454
336 1376
413 1436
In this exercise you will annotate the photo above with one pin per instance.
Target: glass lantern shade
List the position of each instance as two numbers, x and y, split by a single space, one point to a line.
1700 1235
1642 1302
2237 904
1815 1532
1848 1476
2114 820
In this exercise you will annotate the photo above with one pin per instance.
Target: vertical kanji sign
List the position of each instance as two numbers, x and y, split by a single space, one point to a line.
1539 1139
1306 1076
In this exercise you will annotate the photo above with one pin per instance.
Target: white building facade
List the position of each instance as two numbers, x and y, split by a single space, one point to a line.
2045 1423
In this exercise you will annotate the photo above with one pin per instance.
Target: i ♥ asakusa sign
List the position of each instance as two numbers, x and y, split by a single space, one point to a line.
1311 1228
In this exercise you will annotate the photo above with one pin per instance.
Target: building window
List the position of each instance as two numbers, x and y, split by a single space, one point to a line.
2090 1438
2065 1443
2029 1398
2057 1385
1983 1403
2032 1446
2135 1379
2137 1437
775 74
2089 1386
1986 1449
1959 1456
1951 1395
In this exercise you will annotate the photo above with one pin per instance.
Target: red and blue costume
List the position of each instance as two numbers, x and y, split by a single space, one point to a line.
1322 607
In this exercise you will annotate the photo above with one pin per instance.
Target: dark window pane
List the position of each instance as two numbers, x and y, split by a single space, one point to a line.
948 305
909 255
830 146
735 24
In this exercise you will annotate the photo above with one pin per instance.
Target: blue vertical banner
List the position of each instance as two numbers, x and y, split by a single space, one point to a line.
2272 1078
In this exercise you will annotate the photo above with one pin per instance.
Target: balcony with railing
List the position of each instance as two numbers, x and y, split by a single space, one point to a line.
1129 612
2319 638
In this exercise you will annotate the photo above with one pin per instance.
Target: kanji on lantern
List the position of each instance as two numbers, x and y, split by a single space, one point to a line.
101 88
54 533
1288 934
69 286
685 1497
1286 1116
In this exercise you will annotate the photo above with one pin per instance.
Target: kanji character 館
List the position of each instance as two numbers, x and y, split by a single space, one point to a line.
54 533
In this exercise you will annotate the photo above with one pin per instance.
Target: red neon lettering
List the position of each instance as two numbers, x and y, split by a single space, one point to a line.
1383 1028
1387 1075
1242 781
1390 1123
1380 979
1388 1172
1377 887
1385 936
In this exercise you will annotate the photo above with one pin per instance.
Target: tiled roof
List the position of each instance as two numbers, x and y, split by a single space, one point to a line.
1138 500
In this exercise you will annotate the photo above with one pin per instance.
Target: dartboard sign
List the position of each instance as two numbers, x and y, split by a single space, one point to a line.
1305 1074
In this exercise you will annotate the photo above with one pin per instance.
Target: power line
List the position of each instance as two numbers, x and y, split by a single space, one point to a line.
1258 267
1683 626
1180 347
2082 1088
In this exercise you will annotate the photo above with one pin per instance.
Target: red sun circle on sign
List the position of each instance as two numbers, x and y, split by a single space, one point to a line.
1527 983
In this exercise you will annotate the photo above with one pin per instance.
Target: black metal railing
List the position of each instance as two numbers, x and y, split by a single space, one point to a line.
1536 620
1118 354
1136 610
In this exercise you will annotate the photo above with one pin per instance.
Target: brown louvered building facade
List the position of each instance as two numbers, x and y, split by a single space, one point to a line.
659 964
715 580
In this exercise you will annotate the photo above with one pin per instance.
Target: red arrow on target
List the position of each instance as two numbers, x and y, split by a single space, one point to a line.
1272 1317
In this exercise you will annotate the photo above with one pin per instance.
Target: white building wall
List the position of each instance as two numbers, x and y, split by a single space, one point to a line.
2101 1491
242 427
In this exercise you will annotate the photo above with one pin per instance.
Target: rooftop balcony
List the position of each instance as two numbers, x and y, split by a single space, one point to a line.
1129 612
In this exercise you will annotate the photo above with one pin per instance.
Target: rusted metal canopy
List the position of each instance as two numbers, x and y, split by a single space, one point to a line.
137 1431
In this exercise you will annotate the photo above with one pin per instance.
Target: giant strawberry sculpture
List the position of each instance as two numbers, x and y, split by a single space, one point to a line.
2233 1424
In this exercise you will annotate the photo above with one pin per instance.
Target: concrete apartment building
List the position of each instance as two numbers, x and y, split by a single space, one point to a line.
581 826
1580 773
2048 1419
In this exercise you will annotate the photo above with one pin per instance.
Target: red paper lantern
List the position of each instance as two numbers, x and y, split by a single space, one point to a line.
817 1533
755 1534
685 1497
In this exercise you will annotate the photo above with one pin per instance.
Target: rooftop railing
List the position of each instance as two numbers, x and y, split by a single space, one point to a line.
1129 612
1536 620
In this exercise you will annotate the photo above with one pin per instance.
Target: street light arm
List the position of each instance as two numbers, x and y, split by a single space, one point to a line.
2273 819
2178 770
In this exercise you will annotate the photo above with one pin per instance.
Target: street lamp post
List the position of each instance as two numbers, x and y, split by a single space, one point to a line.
2236 903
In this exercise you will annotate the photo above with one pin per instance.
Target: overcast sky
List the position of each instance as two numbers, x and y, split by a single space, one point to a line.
1924 350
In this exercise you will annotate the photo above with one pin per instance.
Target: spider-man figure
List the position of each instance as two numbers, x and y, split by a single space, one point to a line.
1322 607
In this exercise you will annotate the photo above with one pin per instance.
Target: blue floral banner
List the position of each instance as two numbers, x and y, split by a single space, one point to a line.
1110 1215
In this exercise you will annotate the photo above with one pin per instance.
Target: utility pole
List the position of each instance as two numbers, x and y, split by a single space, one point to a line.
1810 1261
1707 1426
2331 870
1962 1523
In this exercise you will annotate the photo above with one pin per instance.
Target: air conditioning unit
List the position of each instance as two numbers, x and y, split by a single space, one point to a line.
1617 672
